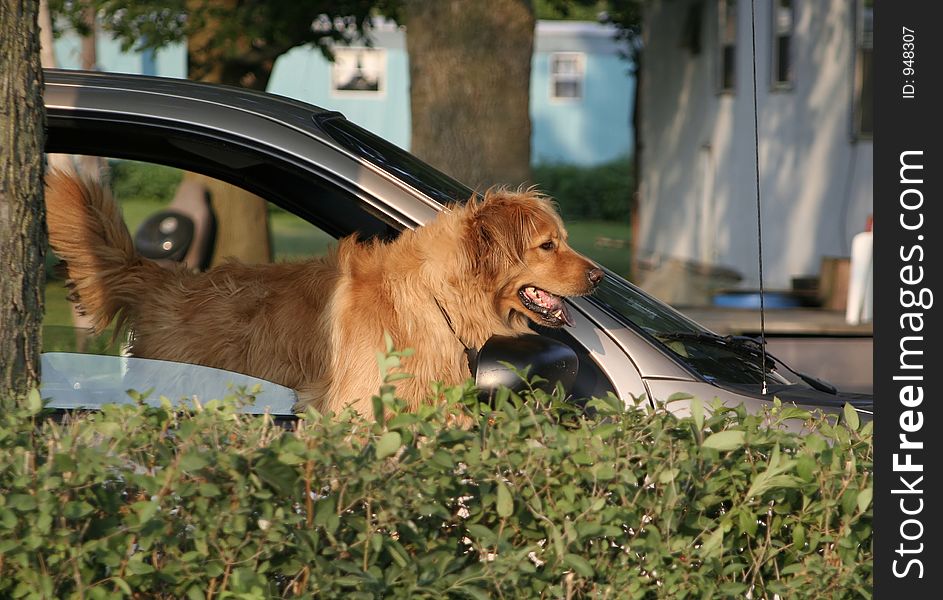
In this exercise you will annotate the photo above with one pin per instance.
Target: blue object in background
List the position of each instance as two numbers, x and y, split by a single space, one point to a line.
751 300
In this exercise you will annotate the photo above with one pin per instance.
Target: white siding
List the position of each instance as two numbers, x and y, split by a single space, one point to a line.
698 198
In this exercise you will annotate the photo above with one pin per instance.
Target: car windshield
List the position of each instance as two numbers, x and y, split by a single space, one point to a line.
719 359
715 358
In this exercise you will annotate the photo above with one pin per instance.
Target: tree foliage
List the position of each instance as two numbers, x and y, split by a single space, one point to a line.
241 39
152 24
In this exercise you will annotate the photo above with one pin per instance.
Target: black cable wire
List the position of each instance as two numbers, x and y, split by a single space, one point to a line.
759 220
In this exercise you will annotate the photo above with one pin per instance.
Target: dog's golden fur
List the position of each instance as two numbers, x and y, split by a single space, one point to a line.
316 326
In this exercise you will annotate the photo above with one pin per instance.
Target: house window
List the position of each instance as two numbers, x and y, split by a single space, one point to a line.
863 112
727 72
783 23
566 75
358 72
691 31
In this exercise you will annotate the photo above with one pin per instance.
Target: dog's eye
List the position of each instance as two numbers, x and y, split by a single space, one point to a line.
548 245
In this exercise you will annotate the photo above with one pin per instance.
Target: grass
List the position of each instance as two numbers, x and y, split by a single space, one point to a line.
296 239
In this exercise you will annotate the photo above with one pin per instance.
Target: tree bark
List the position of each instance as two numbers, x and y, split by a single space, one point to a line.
469 70
89 52
242 227
22 213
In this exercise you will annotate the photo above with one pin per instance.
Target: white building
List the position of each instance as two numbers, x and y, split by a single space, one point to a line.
813 86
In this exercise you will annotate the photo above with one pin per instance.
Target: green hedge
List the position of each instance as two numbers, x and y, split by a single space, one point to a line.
602 192
536 501
133 180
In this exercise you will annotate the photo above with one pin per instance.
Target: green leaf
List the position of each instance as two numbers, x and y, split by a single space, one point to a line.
667 476
725 440
388 444
679 396
732 589
851 417
604 471
578 564
33 401
476 593
481 534
794 412
864 499
697 412
505 504
324 509
798 535
76 510
193 461
849 501
21 502
604 431
209 490
123 585
136 566
806 467
281 477
397 552
713 543
747 521
767 481
145 510
816 443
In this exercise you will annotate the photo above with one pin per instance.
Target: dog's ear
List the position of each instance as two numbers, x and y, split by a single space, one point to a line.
497 233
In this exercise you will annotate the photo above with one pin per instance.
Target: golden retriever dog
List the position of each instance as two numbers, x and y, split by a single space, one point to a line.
479 269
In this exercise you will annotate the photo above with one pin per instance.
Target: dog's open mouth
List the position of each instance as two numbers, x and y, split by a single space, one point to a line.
550 308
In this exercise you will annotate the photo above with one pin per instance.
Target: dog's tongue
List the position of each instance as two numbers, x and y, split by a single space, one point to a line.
563 313
554 304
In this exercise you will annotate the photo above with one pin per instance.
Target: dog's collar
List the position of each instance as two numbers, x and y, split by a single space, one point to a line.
471 353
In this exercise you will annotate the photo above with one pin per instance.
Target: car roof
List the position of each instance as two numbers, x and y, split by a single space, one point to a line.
231 134
64 86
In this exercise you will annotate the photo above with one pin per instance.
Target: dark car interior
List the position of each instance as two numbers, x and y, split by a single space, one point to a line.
314 196
231 160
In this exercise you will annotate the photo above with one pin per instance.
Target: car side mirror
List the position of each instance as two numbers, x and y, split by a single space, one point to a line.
550 359
165 235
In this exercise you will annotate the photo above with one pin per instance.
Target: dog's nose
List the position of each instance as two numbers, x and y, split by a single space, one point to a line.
595 276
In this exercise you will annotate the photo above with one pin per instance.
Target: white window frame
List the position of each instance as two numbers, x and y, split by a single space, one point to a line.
723 43
579 59
346 63
779 29
864 42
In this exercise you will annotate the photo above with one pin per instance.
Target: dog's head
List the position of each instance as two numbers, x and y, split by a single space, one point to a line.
517 248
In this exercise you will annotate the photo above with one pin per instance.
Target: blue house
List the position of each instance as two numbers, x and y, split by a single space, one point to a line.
581 95
581 89
169 61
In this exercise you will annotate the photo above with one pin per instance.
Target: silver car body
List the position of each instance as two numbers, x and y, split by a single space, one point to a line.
118 107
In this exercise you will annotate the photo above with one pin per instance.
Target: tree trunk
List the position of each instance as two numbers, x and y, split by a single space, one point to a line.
241 222
469 70
47 45
89 52
242 227
22 213
633 274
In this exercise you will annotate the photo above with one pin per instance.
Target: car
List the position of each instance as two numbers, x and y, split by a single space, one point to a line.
332 173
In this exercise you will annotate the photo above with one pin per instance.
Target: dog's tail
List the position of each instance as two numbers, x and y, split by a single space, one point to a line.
105 273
